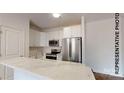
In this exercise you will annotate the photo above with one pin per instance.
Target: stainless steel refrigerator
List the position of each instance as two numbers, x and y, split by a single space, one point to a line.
72 49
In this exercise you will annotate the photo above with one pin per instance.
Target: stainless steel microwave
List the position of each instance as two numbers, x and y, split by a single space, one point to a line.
54 43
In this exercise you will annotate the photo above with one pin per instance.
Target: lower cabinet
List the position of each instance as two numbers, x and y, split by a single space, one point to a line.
9 73
6 73
1 72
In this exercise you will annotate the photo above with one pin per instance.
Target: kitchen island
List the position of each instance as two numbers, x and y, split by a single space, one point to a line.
21 68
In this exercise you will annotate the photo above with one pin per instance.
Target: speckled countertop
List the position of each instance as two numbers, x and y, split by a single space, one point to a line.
52 69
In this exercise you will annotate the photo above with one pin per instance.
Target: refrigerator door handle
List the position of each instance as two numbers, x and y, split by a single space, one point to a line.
70 51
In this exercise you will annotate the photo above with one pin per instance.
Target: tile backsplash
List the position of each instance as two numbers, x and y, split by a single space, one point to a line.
40 52
36 52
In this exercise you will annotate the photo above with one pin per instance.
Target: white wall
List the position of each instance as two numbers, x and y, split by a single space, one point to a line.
20 22
100 46
122 35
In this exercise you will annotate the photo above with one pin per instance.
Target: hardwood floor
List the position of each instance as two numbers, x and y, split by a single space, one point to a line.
100 76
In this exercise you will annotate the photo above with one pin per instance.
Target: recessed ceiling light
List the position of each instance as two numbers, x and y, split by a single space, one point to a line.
56 15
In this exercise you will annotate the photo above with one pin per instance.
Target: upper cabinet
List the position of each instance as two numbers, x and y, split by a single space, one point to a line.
37 38
72 31
67 32
76 31
54 35
42 39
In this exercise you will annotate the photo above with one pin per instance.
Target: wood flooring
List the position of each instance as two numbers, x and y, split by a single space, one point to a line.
100 76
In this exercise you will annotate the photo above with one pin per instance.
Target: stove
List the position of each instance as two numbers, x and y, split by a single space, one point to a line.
53 54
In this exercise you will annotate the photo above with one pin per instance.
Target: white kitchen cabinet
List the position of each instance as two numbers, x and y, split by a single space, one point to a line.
42 39
6 73
54 35
72 31
9 73
50 35
37 38
31 38
67 32
34 38
11 42
1 72
76 31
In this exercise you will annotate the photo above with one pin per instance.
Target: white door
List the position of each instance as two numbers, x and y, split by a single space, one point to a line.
10 42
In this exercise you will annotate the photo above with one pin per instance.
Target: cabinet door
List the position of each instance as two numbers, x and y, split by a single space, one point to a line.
10 42
32 38
67 32
56 35
52 35
42 39
1 72
9 73
37 38
76 31
72 31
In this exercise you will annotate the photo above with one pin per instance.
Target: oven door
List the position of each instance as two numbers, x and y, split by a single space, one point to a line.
53 57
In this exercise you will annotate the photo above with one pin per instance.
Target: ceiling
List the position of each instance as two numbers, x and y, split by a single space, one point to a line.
46 20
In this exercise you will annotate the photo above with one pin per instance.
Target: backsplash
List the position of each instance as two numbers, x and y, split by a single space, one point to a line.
40 52
36 52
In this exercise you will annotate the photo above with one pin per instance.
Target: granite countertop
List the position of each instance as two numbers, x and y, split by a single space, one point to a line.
51 69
